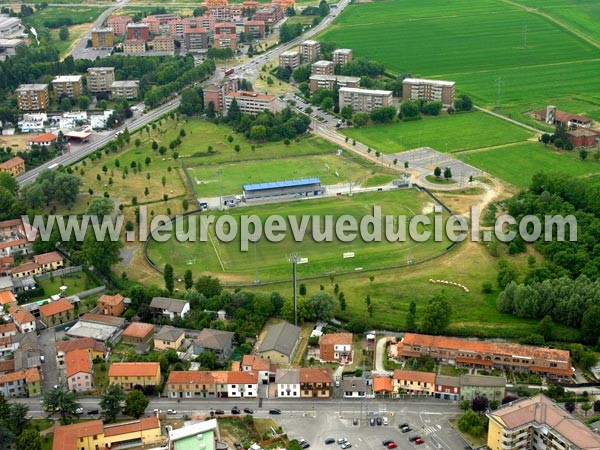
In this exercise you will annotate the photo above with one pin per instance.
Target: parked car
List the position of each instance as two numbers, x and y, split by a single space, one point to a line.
235 410
329 441
405 429
274 411
248 411
342 441
413 438
171 411
386 442
346 445
219 412
157 411
385 421
79 410
403 425
238 446
92 412
379 421
419 441
355 421
372 421
392 445
304 444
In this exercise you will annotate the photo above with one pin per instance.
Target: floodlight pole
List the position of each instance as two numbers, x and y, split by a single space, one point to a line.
256 281
219 171
294 259
350 171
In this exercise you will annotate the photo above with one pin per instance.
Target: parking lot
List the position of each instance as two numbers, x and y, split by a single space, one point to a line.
430 422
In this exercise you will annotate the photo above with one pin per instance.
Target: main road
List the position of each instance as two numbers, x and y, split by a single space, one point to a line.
79 151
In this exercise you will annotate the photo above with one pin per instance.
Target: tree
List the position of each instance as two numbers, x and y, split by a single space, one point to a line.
302 289
546 327
342 299
188 279
570 407
17 418
436 316
323 8
480 404
110 403
101 254
301 73
409 108
65 104
100 207
583 153
597 406
411 318
210 110
585 407
234 113
63 33
208 286
207 360
360 119
346 112
62 401
545 138
29 440
323 305
471 423
590 325
383 114
258 132
447 173
135 404
84 102
437 172
9 182
168 277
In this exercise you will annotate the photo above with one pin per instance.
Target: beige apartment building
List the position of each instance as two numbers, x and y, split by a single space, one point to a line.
290 59
32 97
251 102
342 56
99 79
125 89
364 100
322 68
430 90
67 86
329 81
310 50
163 44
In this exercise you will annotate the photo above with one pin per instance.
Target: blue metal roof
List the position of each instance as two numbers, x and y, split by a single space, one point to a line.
281 184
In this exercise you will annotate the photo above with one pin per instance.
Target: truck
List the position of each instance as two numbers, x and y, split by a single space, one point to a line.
229 71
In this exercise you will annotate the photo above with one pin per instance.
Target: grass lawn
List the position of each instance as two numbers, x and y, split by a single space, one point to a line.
516 164
331 169
75 282
100 377
445 133
47 441
438 180
454 40
237 430
229 263
452 371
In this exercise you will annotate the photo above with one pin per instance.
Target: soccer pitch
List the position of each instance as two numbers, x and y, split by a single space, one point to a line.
227 261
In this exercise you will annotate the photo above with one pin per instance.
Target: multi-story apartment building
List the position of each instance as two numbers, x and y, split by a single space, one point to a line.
303 383
32 97
134 46
103 38
119 24
67 86
138 31
195 39
57 313
472 386
14 166
99 79
163 44
254 29
216 93
310 50
269 14
251 102
336 347
153 24
322 68
481 354
128 89
158 23
290 59
225 28
225 41
364 100
430 90
342 56
198 384
329 81
131 374
537 423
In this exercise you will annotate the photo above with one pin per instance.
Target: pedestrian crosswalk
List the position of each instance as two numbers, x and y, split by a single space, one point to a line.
432 429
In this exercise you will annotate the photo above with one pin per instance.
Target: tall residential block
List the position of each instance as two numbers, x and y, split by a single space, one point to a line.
103 37
99 79
342 56
67 86
430 90
364 100
32 97
310 50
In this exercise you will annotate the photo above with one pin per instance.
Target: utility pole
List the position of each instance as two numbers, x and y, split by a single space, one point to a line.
294 259
256 280
350 174
499 85
219 172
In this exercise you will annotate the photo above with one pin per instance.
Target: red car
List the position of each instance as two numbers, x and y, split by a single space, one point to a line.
392 445
419 441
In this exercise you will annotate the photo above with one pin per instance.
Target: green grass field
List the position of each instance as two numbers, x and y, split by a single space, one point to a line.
481 44
331 169
229 263
516 164
445 133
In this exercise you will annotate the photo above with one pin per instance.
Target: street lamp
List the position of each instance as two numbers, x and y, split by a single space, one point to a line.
219 172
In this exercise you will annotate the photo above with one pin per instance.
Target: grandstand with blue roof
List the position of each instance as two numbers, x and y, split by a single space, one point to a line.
306 187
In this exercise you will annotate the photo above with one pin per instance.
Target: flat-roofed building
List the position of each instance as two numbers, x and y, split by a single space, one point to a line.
10 26
225 28
537 423
329 81
269 14
224 41
364 100
163 44
430 90
8 47
341 56
138 31
251 102
322 68
32 97
310 50
216 92
103 38
99 79
119 24
134 46
128 89
254 28
67 86
195 39
290 59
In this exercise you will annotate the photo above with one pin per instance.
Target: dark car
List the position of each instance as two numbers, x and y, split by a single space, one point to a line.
403 425
413 438
238 446
304 444
274 411
379 421
219 412
386 442
91 412
235 410
372 421
248 411
406 429
329 441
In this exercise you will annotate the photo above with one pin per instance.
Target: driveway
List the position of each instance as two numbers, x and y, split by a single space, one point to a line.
47 342
380 350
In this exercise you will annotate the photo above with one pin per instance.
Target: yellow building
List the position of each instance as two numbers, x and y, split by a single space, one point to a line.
103 38
56 313
131 374
537 423
49 261
168 338
15 166
413 382
94 435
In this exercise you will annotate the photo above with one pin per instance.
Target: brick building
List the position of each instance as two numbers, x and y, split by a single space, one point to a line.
119 24
67 86
163 44
583 137
430 90
225 28
32 97
322 68
99 79
134 46
111 305
254 29
310 50
138 31
195 39
269 14
336 347
225 41
342 56
290 59
364 100
216 93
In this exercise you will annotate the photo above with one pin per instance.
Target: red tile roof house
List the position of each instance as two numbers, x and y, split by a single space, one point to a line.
336 347
79 373
49 261
22 318
56 313
42 140
111 305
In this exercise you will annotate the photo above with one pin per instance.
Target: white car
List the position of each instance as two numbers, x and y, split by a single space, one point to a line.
385 421
79 411
171 411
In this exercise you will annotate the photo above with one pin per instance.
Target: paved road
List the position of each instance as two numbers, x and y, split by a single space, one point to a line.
47 342
380 350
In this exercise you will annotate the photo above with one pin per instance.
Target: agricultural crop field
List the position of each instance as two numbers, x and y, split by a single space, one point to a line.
445 133
331 169
516 164
480 45
227 261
